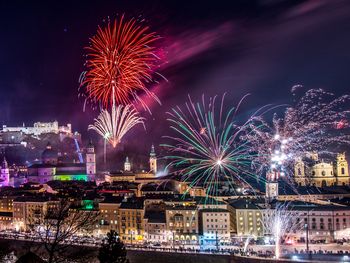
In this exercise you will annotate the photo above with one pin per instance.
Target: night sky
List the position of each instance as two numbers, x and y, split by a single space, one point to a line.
259 47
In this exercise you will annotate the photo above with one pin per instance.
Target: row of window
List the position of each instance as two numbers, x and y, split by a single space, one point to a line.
216 220
217 226
187 212
182 225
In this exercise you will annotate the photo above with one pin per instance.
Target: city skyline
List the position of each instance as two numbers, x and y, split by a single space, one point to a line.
152 131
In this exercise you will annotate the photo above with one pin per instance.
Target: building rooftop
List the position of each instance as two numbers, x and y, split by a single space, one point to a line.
110 199
132 203
155 217
35 198
181 207
58 165
246 203
152 187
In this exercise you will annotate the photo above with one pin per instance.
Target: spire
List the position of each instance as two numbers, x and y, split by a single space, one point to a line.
152 153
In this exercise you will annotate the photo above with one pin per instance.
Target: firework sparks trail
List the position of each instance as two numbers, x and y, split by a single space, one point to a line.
279 224
113 126
311 125
121 56
207 146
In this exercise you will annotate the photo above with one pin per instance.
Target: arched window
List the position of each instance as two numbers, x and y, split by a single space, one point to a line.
342 170
323 173
299 171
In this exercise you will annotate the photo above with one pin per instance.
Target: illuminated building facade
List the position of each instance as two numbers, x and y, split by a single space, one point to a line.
322 173
182 223
155 227
6 203
131 218
6 220
40 128
109 214
30 210
215 226
248 218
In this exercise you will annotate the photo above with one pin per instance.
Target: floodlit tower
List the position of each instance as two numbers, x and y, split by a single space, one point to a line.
153 160
127 165
272 185
342 170
299 171
90 159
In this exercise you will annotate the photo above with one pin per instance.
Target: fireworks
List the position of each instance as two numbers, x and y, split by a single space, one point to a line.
278 223
113 126
120 56
207 146
311 125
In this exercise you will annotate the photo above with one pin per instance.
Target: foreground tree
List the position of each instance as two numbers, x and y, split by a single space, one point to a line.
57 225
112 249
4 251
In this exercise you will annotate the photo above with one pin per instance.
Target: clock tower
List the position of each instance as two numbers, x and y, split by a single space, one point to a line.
272 185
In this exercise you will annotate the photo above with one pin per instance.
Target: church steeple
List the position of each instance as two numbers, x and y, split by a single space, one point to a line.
153 152
153 160
342 170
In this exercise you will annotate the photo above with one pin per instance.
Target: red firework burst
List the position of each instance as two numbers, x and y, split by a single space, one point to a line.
121 55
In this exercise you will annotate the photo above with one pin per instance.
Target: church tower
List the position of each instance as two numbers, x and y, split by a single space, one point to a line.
90 159
342 170
127 165
153 160
299 171
5 174
271 187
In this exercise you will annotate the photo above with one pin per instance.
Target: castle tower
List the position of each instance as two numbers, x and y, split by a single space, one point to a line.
342 170
127 165
153 160
5 174
299 171
90 159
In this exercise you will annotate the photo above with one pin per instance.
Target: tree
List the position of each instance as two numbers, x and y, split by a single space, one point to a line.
112 249
4 250
58 224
